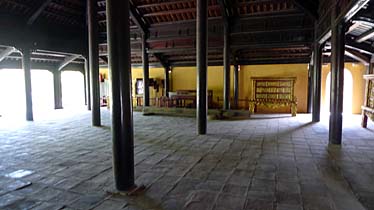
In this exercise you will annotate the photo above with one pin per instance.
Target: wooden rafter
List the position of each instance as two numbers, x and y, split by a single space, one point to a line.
161 58
6 52
67 61
310 7
38 11
357 56
365 36
138 20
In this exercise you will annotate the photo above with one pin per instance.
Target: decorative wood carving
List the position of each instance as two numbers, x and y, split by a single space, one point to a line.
273 92
368 107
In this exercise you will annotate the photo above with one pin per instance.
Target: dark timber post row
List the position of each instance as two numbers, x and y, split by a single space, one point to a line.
145 70
26 65
88 83
57 88
201 52
166 82
226 64
236 85
337 83
85 86
118 27
93 42
310 87
317 65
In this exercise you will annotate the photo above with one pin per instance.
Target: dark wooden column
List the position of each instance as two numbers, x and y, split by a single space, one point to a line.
145 58
93 43
120 74
166 82
26 65
317 61
202 65
57 90
85 87
310 87
226 66
236 86
337 83
88 83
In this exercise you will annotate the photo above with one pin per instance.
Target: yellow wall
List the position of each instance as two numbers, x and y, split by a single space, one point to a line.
154 73
184 78
357 70
137 73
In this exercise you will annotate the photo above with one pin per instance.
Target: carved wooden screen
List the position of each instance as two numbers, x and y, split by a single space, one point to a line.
370 97
273 88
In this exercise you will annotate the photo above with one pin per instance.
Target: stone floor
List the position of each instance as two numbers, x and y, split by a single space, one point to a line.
270 162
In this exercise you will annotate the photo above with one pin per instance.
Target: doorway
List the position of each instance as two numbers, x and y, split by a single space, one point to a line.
347 91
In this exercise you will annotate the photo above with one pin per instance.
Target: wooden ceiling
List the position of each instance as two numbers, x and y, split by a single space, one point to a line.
262 31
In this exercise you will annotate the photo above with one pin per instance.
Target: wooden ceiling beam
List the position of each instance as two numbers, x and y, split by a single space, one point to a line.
38 11
138 20
360 47
104 59
67 61
161 58
308 7
357 56
165 4
6 52
365 36
178 11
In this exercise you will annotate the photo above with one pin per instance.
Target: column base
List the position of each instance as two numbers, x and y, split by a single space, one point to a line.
132 191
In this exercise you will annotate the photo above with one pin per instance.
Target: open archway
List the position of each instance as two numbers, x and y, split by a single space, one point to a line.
12 93
72 83
348 93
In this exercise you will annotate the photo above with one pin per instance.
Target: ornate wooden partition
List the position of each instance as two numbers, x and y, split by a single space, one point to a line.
368 107
273 92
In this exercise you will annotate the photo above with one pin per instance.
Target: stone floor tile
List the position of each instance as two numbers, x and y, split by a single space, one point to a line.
87 201
269 161
256 204
229 202
9 199
111 205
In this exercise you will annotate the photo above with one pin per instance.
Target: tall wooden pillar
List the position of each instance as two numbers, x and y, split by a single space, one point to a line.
236 86
166 82
145 58
118 26
26 65
226 68
84 87
201 52
317 82
310 87
57 90
88 83
93 43
337 83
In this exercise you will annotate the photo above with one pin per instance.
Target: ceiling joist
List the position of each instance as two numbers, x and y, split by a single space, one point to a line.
6 53
67 61
38 11
310 7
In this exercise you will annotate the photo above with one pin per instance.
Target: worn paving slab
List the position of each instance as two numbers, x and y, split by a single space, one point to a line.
273 162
